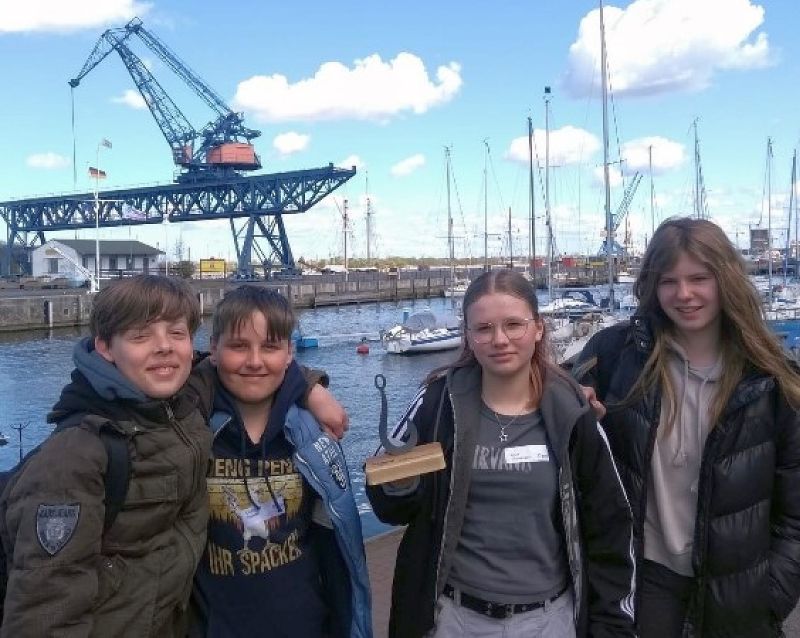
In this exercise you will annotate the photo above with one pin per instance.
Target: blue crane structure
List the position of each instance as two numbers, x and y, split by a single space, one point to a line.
619 215
210 183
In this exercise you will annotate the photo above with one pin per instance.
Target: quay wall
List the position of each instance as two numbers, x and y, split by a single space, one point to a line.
46 309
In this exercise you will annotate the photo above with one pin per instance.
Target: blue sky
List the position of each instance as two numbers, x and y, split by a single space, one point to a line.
388 85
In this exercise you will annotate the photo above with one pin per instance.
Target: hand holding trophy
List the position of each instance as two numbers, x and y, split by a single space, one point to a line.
403 459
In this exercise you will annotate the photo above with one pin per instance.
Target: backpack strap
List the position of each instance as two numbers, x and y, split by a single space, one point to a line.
118 473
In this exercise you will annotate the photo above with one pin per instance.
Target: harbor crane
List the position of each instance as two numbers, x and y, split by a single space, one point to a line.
211 182
618 218
216 150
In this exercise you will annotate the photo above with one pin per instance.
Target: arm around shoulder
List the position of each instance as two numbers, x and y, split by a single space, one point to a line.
52 531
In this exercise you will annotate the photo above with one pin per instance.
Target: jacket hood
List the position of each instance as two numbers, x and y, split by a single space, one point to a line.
104 377
96 386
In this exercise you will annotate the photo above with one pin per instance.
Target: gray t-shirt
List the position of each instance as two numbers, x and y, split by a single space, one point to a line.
511 549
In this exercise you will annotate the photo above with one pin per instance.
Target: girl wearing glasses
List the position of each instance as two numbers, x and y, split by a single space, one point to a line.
527 531
703 424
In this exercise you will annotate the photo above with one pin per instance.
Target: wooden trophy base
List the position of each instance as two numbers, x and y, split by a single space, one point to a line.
393 467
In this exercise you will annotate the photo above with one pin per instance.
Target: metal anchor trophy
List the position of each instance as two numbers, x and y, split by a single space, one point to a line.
403 459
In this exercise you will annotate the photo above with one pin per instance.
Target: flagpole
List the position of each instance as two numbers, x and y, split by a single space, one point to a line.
97 220
97 173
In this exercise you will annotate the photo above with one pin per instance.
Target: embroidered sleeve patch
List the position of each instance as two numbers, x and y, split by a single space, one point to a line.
55 525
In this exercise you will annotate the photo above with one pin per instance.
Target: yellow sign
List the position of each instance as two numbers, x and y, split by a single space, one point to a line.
212 266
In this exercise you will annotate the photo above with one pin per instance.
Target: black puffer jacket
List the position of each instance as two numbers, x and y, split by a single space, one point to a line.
746 554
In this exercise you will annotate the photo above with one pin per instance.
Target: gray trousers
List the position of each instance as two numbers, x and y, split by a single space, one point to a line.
554 620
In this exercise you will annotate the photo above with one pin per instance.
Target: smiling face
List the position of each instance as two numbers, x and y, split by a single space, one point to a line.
250 365
689 295
501 356
156 357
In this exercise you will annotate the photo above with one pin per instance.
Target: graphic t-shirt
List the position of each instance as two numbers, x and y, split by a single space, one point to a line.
511 549
258 576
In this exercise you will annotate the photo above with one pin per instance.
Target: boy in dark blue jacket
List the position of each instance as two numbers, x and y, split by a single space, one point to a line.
285 554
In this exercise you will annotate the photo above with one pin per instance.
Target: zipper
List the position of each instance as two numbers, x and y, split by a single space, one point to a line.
179 527
198 472
447 508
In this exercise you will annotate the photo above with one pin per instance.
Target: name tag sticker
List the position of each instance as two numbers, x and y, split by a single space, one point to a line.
527 454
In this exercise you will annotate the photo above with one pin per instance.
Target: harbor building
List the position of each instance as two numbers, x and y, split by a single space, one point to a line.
75 258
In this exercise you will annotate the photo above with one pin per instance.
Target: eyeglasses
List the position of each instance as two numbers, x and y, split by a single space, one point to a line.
514 328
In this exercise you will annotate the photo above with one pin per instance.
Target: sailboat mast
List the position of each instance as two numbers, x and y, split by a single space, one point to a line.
609 220
369 223
510 243
793 200
532 204
450 240
788 252
652 192
549 221
769 218
486 207
345 228
696 172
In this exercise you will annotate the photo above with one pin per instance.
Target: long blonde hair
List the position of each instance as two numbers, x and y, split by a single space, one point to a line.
511 283
746 341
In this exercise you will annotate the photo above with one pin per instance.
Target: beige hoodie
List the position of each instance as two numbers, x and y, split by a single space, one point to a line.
675 467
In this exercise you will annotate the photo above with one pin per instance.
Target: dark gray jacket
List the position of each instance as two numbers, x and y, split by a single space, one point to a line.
595 513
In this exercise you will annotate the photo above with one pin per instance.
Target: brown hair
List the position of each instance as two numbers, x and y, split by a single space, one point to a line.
746 341
239 305
512 283
141 300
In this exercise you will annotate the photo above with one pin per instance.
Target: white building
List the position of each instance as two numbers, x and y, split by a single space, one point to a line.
61 258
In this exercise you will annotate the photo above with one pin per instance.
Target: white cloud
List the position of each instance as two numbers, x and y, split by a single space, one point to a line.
667 154
658 46
350 161
58 15
131 98
568 145
408 165
47 160
371 90
290 143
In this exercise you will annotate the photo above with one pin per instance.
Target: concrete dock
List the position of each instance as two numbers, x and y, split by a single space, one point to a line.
381 552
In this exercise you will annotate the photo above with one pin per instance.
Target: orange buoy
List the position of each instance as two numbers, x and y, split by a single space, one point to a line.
362 348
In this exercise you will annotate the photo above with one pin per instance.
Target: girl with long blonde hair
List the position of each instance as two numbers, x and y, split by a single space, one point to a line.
702 419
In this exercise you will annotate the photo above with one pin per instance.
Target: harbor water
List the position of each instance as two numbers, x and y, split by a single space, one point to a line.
34 366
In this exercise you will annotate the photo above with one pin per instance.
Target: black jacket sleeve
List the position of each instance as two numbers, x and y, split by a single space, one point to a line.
606 528
784 556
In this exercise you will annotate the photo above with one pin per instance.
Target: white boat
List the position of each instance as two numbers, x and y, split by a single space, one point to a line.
457 290
573 304
624 277
423 332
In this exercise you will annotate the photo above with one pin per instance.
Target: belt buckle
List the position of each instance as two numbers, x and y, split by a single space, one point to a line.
499 610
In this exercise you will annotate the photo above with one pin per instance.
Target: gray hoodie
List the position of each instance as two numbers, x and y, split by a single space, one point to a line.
672 485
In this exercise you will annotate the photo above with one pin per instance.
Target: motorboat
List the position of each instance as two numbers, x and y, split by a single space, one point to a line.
423 331
458 289
573 304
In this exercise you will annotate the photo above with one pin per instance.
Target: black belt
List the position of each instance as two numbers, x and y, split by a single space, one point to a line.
497 610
